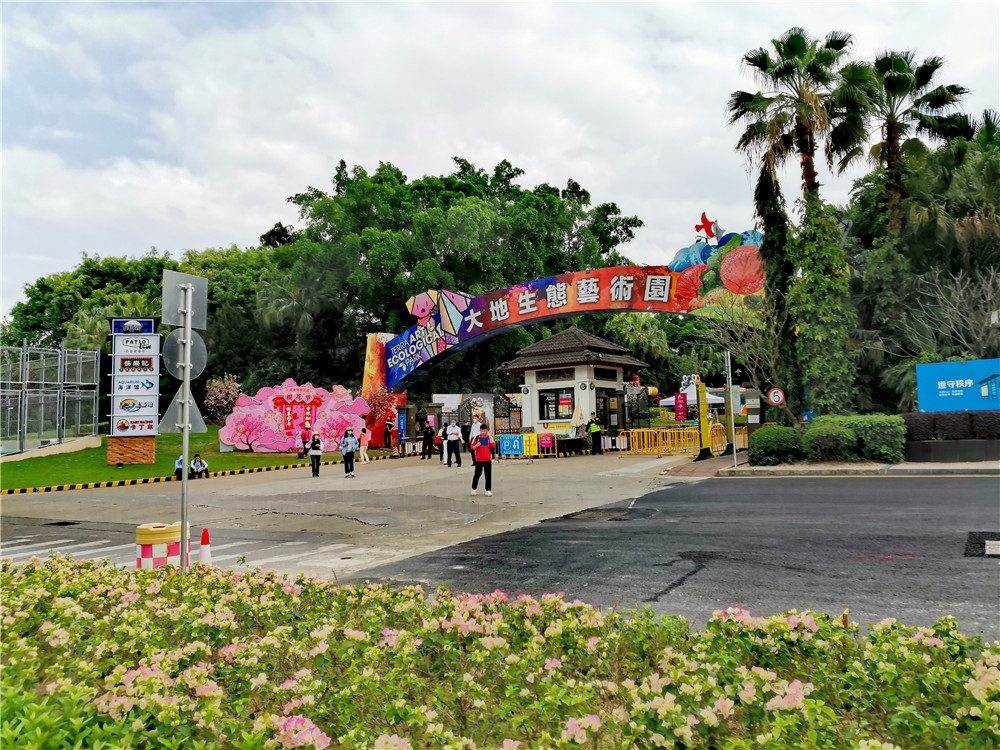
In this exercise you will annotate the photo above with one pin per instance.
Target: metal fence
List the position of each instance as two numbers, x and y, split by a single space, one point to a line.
46 396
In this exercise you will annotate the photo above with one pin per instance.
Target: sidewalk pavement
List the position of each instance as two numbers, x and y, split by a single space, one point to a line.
859 469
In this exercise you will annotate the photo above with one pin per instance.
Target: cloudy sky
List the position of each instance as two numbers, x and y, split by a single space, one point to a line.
186 126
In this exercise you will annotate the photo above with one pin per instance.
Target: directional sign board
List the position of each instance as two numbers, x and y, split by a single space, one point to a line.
135 377
145 385
133 325
136 343
135 406
133 426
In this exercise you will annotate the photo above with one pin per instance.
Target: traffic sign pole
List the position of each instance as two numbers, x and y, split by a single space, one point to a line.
185 425
732 407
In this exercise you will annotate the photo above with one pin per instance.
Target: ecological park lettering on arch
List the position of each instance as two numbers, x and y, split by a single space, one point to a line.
725 274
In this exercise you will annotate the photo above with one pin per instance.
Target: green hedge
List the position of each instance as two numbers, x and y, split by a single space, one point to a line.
773 445
830 442
880 437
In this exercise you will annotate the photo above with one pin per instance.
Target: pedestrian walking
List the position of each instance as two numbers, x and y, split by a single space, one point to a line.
315 453
454 439
595 435
439 442
363 441
482 458
348 444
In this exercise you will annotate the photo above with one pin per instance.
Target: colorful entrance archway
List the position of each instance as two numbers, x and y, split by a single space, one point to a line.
701 275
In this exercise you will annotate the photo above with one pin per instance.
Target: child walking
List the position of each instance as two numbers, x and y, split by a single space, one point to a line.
363 454
348 445
482 458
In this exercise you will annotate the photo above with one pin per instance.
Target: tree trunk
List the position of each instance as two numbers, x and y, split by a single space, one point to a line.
894 180
805 141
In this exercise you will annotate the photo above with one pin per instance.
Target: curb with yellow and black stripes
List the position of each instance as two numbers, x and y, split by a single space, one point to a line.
156 480
584 452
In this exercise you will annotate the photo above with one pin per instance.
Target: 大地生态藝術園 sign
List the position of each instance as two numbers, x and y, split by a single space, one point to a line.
702 275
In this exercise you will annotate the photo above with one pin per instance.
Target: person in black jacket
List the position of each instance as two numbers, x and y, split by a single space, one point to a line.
315 453
427 448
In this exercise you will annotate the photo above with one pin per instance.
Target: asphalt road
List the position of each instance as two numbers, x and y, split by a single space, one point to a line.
613 531
881 546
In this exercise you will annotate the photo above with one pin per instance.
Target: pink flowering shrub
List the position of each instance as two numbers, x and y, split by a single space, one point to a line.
220 396
98 656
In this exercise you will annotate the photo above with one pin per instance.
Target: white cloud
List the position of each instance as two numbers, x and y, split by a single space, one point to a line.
232 113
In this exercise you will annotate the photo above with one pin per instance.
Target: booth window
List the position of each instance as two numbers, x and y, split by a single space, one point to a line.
556 404
606 373
546 375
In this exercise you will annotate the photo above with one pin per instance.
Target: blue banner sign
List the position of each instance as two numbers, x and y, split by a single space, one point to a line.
510 445
959 386
133 325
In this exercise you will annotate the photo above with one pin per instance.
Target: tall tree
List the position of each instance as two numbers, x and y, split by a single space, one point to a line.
283 300
779 274
903 99
52 301
792 112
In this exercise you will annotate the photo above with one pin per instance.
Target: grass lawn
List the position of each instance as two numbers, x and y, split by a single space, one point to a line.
91 465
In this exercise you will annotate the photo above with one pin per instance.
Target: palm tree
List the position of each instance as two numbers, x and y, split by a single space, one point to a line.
641 333
282 301
794 110
902 99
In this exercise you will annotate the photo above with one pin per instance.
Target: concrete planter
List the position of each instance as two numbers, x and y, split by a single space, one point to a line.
950 451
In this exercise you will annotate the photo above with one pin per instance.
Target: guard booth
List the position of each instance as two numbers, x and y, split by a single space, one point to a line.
569 375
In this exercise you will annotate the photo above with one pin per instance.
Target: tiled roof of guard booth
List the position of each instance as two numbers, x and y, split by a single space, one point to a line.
575 347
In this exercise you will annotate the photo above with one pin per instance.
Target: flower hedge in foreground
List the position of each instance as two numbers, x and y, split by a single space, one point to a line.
95 656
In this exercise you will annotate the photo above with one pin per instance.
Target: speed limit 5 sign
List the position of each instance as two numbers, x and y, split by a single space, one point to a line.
776 397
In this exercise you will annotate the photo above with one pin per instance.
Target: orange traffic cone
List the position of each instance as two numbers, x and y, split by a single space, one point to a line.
205 550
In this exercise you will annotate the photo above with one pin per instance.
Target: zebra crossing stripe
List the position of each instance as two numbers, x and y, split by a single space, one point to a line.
62 548
219 559
289 558
33 545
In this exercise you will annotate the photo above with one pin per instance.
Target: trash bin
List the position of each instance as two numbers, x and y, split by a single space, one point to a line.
159 544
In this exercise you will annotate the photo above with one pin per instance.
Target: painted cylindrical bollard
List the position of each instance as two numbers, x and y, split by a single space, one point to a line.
158 544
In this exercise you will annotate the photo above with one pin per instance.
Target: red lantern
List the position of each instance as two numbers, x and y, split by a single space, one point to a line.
635 378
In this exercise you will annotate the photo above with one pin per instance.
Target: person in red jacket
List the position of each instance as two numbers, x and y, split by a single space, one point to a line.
483 446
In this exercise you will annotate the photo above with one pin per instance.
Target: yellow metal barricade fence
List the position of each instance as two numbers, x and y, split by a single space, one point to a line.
672 441
719 440
742 439
644 442
680 441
